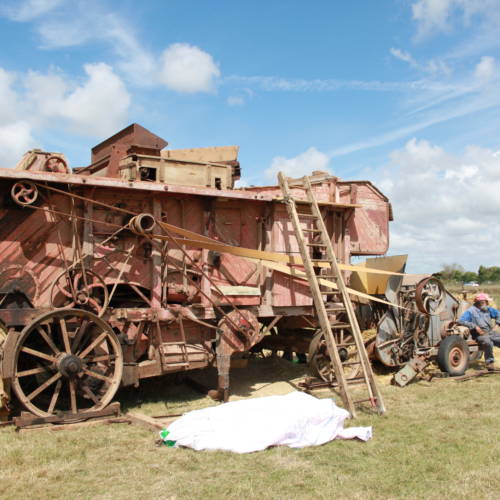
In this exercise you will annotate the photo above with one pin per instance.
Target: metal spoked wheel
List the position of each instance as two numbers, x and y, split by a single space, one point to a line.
68 361
24 193
80 289
56 164
430 296
319 359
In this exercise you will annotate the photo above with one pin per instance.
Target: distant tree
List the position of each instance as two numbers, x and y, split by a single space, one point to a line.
453 272
485 274
469 276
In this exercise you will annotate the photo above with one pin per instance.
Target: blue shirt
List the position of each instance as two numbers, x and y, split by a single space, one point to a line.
474 317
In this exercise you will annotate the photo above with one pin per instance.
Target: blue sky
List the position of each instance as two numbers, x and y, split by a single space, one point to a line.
404 93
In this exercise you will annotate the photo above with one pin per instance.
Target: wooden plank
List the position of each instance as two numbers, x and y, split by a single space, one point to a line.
75 425
146 421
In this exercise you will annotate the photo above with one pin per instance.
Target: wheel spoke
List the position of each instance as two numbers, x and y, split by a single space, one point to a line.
79 334
64 291
44 386
97 359
97 375
55 396
65 336
93 303
93 345
89 393
47 339
33 371
38 354
72 395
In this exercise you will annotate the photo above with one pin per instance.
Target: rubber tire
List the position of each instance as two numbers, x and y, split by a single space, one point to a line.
447 345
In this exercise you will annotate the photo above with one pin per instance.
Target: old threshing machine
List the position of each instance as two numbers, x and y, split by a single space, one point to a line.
143 263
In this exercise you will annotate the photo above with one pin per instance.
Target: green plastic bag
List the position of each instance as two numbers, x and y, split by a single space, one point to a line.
164 434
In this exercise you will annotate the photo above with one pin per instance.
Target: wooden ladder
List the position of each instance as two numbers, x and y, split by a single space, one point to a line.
329 261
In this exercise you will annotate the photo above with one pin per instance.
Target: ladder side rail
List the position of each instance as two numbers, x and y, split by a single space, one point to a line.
363 356
317 296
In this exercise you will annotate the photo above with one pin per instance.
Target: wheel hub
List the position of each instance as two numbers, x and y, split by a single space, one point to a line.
343 354
82 297
455 357
69 365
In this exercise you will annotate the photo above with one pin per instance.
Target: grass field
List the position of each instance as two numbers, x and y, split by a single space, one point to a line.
438 439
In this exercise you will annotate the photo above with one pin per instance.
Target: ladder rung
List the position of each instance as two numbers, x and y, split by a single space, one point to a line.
351 363
373 401
312 230
325 276
311 216
336 310
346 345
338 326
321 260
316 245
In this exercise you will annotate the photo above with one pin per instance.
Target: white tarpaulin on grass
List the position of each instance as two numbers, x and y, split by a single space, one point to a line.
296 420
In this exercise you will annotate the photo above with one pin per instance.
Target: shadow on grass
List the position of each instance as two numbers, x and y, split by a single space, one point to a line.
176 389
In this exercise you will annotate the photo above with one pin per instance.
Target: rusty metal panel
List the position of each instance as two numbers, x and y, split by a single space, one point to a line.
287 291
368 228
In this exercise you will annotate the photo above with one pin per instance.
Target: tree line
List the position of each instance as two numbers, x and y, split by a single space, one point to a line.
455 272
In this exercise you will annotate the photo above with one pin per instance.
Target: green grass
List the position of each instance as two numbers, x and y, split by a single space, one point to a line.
437 440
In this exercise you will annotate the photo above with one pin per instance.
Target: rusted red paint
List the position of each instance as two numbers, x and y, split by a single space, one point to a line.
153 282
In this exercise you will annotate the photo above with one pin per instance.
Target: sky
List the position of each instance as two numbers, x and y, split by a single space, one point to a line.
404 93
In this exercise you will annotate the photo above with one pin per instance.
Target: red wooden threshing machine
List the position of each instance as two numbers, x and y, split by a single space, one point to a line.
147 262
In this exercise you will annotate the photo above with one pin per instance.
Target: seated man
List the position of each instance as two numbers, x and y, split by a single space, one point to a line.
478 319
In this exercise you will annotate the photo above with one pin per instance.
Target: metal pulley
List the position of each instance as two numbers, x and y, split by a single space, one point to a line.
430 296
142 224
24 193
56 164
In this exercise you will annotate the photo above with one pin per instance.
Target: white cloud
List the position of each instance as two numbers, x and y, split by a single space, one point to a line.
8 98
15 140
29 9
303 164
485 68
186 68
403 56
234 100
181 67
445 206
434 16
97 107
433 66
134 60
36 103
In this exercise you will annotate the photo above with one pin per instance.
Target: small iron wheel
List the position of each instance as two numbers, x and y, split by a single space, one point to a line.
24 193
75 288
453 355
56 164
319 360
67 361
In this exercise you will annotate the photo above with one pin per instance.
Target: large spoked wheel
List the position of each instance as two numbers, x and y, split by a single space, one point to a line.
453 355
319 360
69 361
